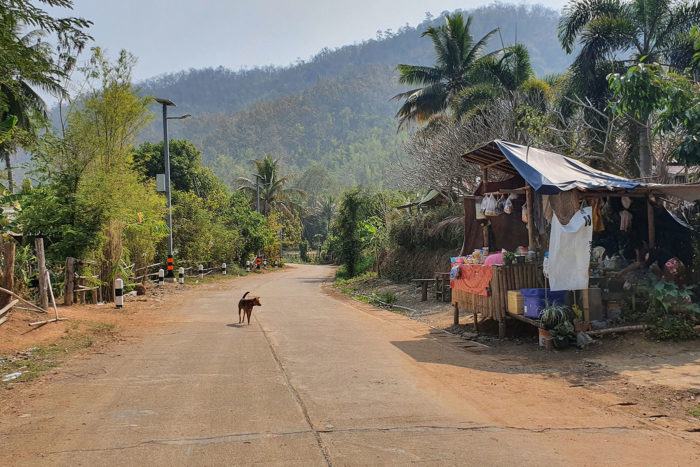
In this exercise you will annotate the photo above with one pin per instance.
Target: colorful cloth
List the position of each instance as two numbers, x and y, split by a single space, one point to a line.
473 278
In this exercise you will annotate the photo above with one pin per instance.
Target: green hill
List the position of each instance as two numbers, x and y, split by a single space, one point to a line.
334 109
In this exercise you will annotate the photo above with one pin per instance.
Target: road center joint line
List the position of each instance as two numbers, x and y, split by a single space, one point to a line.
296 396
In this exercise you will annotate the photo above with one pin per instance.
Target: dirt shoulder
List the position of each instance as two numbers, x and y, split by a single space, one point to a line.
30 353
659 381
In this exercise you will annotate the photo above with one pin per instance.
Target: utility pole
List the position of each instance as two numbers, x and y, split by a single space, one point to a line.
170 275
257 192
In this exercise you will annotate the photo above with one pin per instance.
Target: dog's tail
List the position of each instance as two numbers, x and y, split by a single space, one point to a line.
245 295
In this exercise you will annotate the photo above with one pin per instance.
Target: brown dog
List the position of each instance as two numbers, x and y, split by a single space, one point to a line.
246 305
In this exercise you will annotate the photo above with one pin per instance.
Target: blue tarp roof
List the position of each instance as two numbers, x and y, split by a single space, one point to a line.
547 172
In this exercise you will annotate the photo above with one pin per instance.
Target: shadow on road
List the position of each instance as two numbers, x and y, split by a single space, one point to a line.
237 325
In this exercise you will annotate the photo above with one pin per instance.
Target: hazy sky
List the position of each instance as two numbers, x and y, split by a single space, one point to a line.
172 35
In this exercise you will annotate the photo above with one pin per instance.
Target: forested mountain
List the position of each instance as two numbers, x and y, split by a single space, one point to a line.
335 109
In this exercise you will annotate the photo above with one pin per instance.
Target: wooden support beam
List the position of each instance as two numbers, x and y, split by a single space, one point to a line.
8 307
530 223
456 314
33 306
69 282
494 164
41 268
513 190
651 224
7 281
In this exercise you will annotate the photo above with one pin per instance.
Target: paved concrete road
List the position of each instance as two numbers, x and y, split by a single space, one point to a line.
318 380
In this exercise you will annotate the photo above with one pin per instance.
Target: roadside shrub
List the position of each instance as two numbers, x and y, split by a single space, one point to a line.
668 308
388 297
304 251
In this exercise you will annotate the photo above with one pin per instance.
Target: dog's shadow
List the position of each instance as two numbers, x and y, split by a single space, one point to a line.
237 325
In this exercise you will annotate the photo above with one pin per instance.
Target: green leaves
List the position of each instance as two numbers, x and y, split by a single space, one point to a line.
456 54
7 128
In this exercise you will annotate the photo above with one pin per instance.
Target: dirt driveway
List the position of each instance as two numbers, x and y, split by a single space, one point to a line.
316 379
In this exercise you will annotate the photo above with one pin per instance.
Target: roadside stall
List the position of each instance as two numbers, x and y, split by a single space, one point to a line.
530 225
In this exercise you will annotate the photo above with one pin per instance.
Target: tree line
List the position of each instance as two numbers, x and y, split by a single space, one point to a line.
92 192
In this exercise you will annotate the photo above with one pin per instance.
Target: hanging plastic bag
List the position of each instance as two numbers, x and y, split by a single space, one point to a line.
491 205
508 205
454 272
500 205
524 214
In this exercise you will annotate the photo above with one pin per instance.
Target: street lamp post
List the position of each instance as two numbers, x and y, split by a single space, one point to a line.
170 275
257 191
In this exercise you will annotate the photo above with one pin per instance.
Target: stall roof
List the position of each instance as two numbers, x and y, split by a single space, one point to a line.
547 172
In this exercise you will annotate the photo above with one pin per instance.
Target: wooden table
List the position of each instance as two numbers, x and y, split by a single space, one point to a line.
442 286
424 287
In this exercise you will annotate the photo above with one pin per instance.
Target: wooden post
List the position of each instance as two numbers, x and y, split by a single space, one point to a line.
651 224
41 267
8 272
69 282
463 250
53 299
485 234
424 291
530 223
456 317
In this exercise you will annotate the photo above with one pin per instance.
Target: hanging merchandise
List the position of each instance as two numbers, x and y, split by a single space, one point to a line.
598 225
500 204
508 205
625 220
569 251
626 202
478 204
491 205
524 214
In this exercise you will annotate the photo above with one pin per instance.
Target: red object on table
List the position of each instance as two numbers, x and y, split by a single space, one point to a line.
473 278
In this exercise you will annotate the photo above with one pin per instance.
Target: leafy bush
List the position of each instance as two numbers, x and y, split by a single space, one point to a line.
304 251
667 307
388 297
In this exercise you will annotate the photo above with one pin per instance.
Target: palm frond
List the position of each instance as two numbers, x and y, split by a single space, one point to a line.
415 74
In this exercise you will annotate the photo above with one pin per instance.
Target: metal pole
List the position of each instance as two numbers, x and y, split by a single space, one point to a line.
257 192
169 214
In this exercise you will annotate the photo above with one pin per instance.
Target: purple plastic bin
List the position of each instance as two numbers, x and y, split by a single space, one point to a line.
534 300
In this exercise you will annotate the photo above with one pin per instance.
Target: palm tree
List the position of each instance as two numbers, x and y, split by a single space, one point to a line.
18 97
456 53
273 192
497 75
613 34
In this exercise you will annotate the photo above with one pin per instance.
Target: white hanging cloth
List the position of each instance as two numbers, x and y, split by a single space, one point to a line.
570 251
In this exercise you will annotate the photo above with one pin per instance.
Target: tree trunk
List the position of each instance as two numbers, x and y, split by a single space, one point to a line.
644 152
8 273
8 165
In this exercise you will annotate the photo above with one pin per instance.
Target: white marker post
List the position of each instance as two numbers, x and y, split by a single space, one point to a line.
223 269
201 271
161 277
181 275
247 266
119 293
